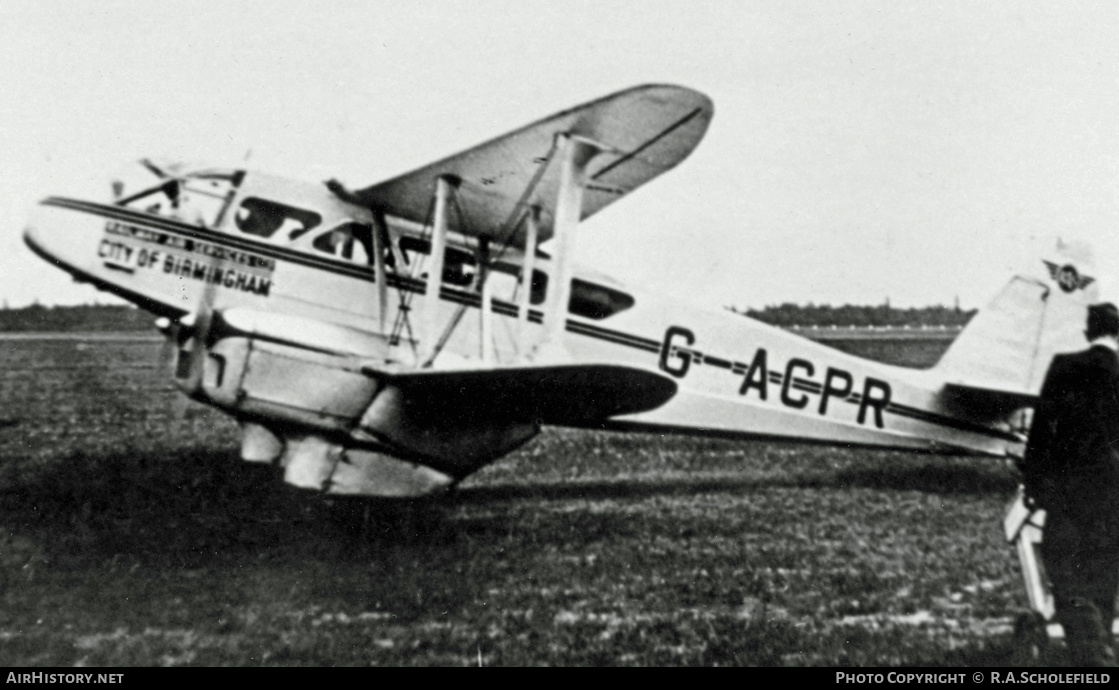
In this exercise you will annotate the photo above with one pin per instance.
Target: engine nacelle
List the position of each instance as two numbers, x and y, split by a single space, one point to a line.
337 429
290 386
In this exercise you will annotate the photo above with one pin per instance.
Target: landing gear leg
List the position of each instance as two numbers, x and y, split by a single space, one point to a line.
1023 527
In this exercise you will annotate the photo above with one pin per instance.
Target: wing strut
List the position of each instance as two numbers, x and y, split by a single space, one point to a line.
486 287
527 270
574 154
429 332
380 235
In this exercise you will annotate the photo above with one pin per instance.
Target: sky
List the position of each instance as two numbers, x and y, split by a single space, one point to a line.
919 152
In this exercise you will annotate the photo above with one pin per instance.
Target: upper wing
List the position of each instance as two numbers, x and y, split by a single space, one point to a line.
647 129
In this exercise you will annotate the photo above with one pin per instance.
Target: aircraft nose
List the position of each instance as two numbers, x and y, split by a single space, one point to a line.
35 235
46 234
63 233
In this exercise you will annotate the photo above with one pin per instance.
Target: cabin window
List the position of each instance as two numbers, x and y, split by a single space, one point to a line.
460 267
596 301
539 287
590 300
271 219
352 241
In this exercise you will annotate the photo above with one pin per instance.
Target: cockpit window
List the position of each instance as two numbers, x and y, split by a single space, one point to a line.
265 218
197 198
152 199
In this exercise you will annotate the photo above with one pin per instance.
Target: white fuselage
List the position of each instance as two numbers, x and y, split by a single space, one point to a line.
736 377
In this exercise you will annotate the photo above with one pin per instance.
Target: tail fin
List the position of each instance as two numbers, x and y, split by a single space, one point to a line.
1008 345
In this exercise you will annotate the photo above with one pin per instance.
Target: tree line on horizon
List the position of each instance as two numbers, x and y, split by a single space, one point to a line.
100 317
789 315
67 319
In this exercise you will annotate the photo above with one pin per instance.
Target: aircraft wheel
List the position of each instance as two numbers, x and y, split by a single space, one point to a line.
1030 636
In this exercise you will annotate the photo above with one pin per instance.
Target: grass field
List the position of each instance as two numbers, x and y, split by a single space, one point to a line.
131 534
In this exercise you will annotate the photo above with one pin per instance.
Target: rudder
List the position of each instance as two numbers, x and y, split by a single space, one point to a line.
1007 346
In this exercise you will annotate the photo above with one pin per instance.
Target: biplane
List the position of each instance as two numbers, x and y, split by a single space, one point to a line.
391 340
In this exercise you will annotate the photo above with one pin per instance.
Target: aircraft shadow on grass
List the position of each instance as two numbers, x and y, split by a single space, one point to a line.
210 486
193 508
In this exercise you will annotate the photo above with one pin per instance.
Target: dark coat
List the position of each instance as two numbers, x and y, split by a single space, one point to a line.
1072 458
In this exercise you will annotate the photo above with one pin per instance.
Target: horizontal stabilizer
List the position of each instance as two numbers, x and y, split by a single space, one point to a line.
643 132
988 403
568 395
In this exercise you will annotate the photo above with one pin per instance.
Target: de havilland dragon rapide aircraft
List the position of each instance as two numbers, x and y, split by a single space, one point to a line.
390 340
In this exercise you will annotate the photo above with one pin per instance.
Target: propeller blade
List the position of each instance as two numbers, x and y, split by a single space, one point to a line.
173 333
155 169
194 341
191 337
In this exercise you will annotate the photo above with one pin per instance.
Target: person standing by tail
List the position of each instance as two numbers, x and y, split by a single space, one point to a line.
1071 469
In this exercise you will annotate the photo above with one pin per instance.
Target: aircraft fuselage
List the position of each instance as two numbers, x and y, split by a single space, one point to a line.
736 377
